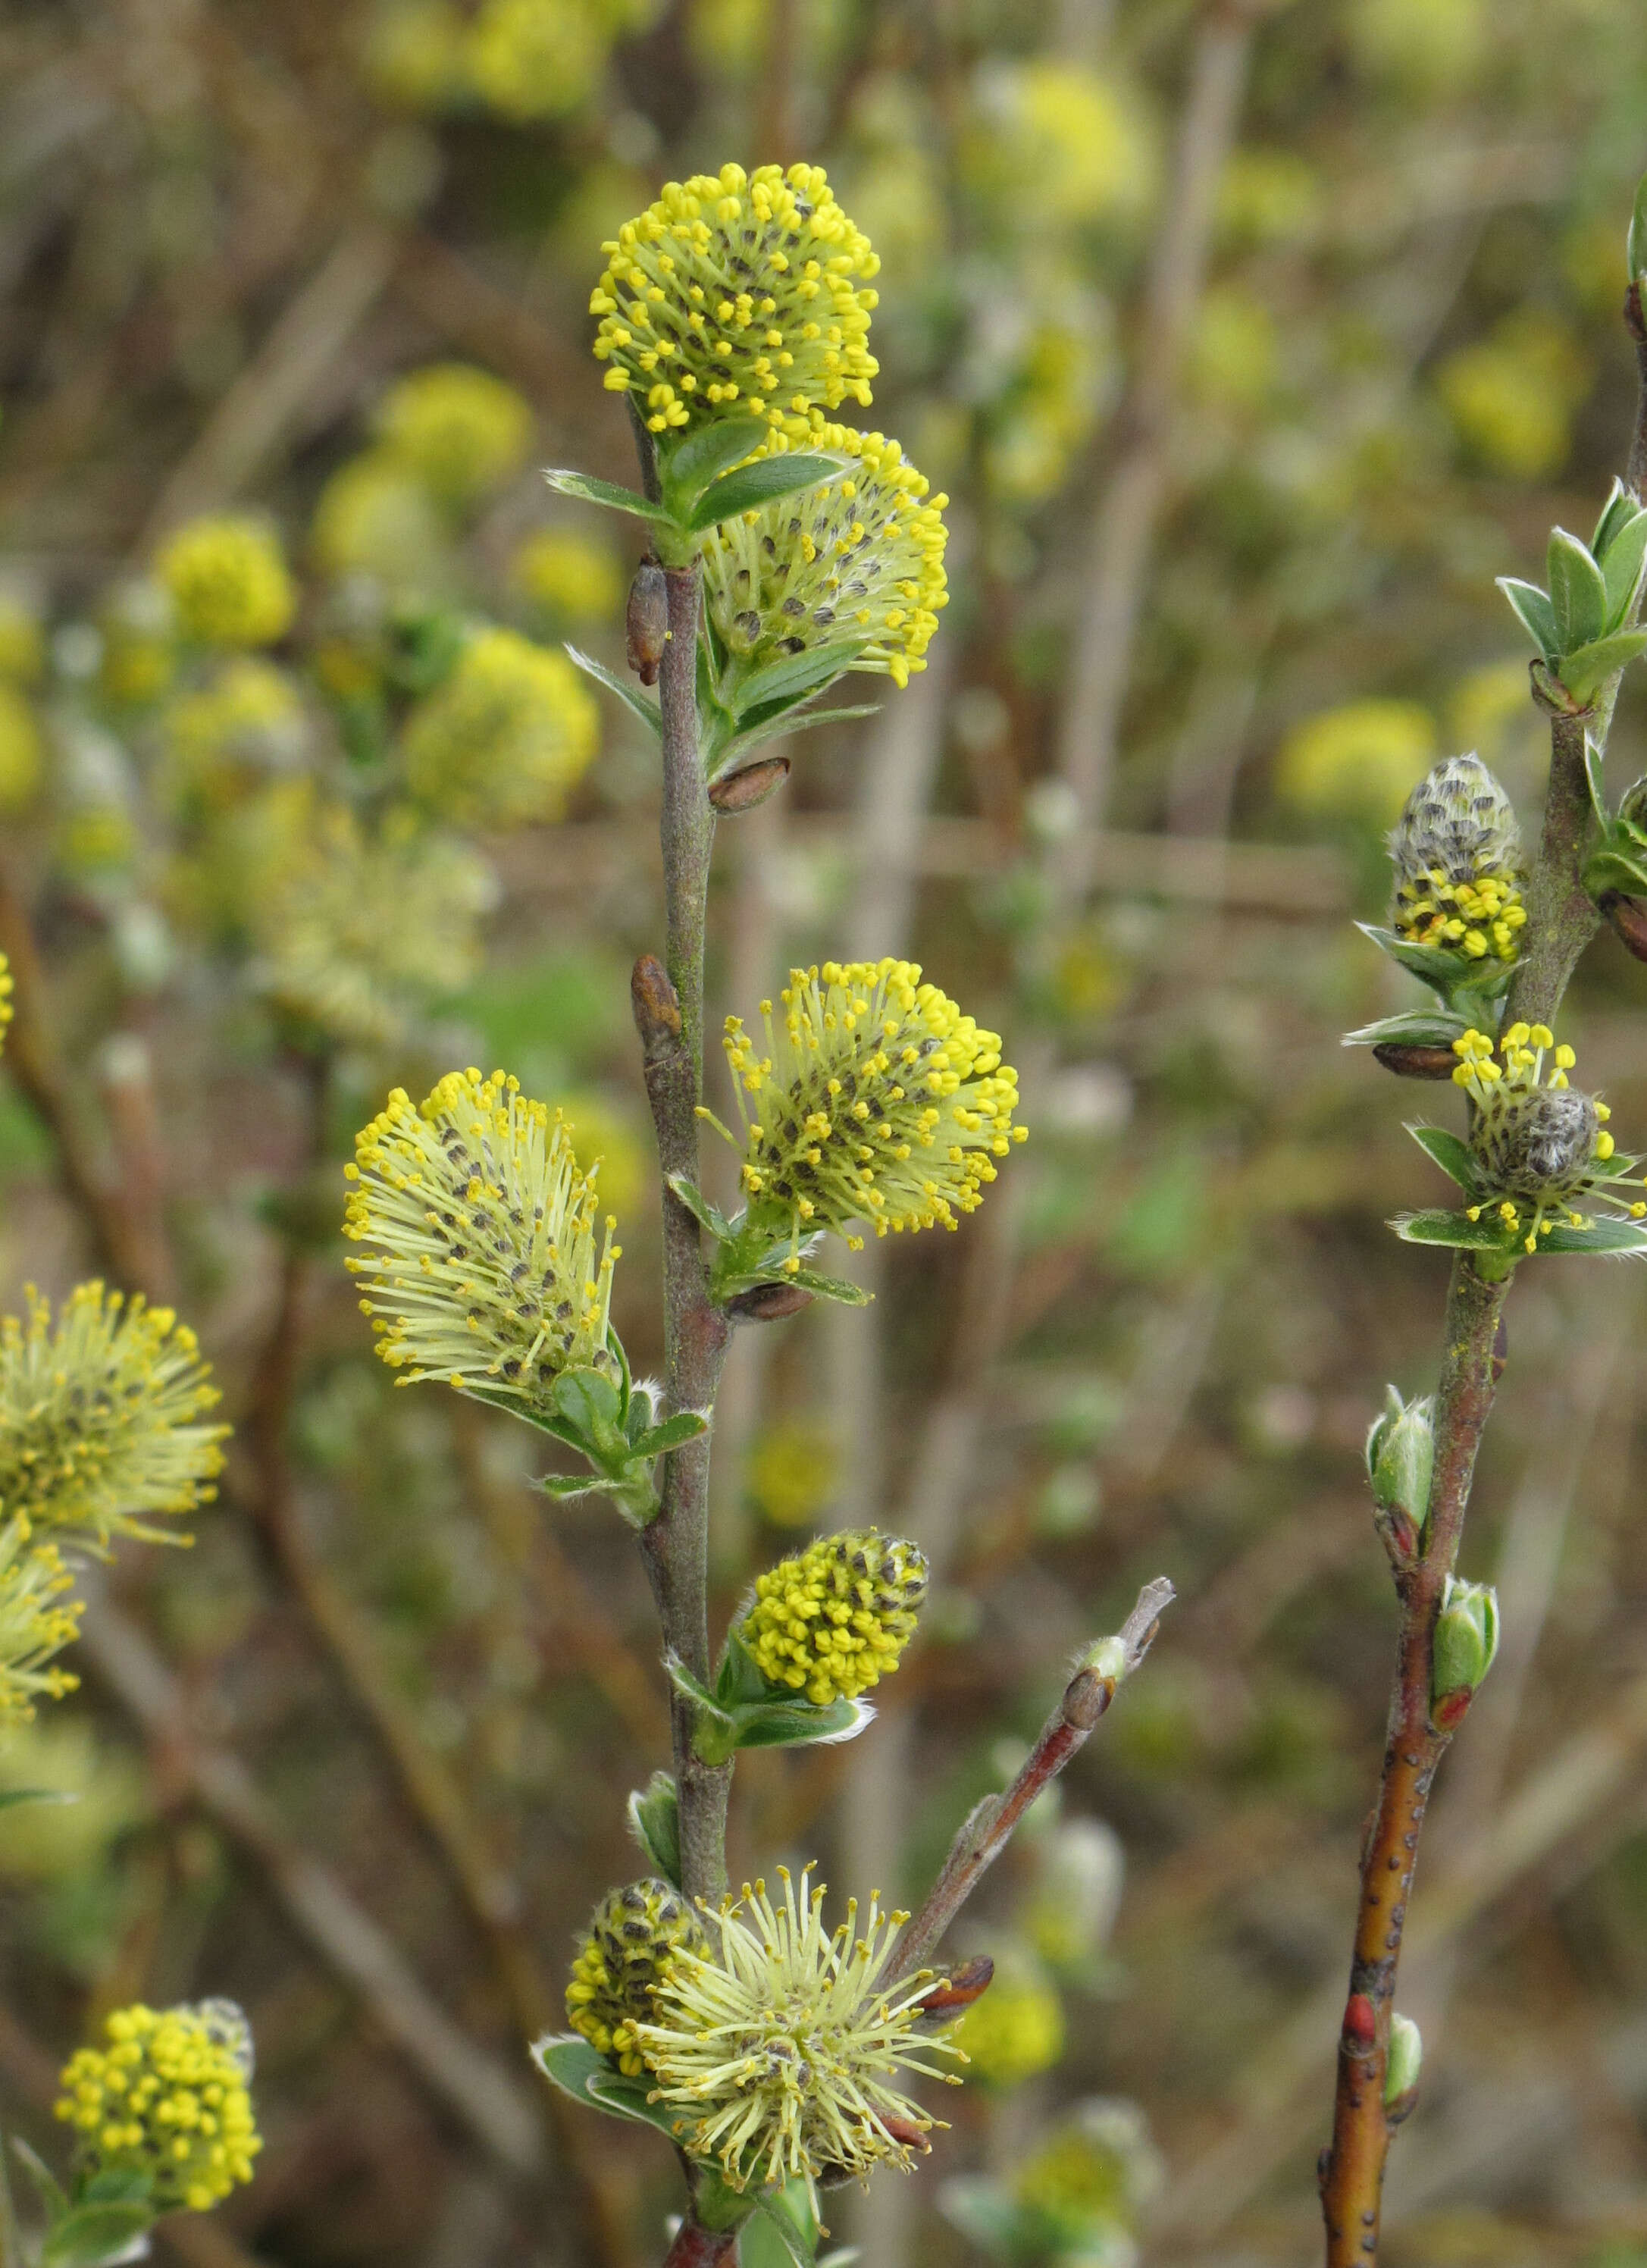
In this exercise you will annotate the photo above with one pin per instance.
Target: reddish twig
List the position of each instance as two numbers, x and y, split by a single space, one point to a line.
1352 2169
985 1834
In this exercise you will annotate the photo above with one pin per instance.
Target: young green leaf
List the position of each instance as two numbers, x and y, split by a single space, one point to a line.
707 452
631 696
796 673
751 486
1454 1156
1587 669
793 1724
674 1434
1455 1229
97 2236
1414 1029
1578 593
1622 565
589 491
655 1823
787 717
1535 615
706 1215
1622 1236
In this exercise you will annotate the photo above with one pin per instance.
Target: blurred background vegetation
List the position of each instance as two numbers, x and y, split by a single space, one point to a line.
1251 341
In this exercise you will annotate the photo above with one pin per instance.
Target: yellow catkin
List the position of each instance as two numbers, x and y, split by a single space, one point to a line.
872 1098
738 294
483 1268
166 2095
832 1621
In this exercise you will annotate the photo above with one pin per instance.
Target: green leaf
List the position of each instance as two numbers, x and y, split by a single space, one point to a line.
786 2216
626 2098
1535 615
1620 507
1636 243
763 482
674 1434
718 2204
631 696
707 452
1601 1236
1612 870
570 2063
706 1215
1578 593
791 716
1452 1155
838 1288
45 2183
1448 973
796 674
589 491
793 1724
118 2185
97 2236
566 1488
1588 667
1622 562
655 1823
1417 1028
588 1400
1455 1229
1451 1152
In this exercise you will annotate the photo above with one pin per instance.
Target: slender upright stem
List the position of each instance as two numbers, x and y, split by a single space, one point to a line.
1561 918
1561 921
669 1012
1352 2175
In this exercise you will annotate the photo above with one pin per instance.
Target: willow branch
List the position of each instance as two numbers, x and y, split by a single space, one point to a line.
986 1833
1352 2176
1561 921
669 1016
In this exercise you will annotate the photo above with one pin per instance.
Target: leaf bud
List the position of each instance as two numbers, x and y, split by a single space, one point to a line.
1401 1455
1358 2033
646 622
953 1995
769 1303
1407 1060
1628 918
742 791
655 1004
1465 1640
1401 2068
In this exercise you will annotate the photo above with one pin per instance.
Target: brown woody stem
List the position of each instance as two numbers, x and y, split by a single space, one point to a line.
1352 2178
984 1834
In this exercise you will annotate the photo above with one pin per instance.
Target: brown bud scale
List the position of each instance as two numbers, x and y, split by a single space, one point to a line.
646 623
